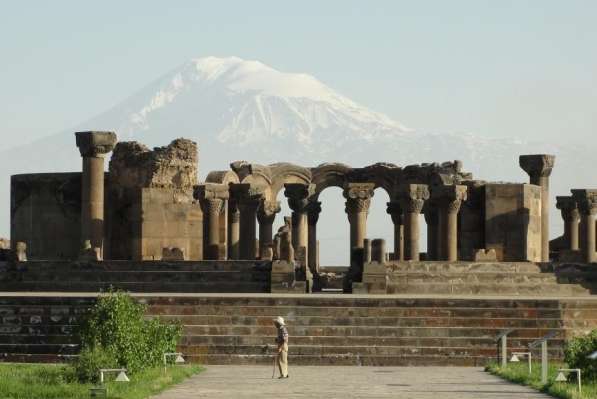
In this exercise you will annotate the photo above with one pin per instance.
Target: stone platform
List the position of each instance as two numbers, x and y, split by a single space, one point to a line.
146 276
326 329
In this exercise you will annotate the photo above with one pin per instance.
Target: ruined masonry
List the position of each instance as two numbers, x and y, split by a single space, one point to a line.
149 226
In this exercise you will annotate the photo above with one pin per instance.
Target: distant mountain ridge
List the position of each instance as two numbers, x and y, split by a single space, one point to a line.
245 110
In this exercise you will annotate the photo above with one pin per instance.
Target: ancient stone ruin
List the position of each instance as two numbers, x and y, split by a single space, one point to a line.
149 226
150 206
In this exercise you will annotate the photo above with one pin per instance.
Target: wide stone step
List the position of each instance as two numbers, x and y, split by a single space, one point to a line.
476 278
23 339
141 276
37 329
545 290
40 349
36 358
235 340
370 331
123 266
359 312
469 267
190 287
304 321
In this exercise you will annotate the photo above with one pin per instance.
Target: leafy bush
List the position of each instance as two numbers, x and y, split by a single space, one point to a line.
576 352
90 360
116 329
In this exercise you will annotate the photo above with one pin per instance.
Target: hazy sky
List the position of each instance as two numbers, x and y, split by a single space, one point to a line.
494 68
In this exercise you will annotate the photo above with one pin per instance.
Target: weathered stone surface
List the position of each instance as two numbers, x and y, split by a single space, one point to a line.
45 207
325 329
175 166
513 221
485 255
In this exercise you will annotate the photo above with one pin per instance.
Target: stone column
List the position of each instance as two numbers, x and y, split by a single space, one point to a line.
212 196
247 198
298 198
539 167
587 204
266 214
93 147
432 221
395 211
571 215
313 211
233 230
449 199
358 198
412 198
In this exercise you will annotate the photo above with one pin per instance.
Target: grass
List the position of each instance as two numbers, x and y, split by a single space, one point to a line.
49 381
519 373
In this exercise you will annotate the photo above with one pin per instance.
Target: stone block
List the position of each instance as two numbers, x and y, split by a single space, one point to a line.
513 221
172 254
485 255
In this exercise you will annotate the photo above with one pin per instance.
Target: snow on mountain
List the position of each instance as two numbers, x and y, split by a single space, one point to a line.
237 109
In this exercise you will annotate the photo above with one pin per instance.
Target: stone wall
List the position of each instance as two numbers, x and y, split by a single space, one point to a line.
513 221
151 206
46 214
324 329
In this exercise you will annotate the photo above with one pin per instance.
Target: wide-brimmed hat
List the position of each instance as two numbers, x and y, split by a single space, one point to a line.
279 320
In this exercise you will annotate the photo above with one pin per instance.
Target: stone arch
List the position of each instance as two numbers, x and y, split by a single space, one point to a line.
222 177
254 174
383 175
282 173
329 175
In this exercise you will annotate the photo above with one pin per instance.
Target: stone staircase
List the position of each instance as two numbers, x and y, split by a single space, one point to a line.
147 276
324 329
487 278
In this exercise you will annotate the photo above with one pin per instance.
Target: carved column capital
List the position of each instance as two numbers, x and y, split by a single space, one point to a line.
298 195
413 196
266 213
246 196
95 144
394 209
586 200
313 211
537 165
568 207
358 197
211 196
450 197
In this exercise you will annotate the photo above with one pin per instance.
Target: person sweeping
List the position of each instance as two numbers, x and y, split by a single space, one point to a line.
282 342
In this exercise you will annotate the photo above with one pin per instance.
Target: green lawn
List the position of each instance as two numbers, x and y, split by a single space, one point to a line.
519 373
49 381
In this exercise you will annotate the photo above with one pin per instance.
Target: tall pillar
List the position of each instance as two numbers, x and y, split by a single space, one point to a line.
539 167
432 220
93 147
247 198
395 211
266 214
233 230
212 196
313 211
298 198
571 215
587 204
449 199
358 198
412 198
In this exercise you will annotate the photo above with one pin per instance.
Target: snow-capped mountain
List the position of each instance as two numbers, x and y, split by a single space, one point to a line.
245 110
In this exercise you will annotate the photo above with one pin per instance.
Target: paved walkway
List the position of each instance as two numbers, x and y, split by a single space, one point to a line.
240 382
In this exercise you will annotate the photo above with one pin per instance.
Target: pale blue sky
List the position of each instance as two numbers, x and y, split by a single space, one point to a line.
492 68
